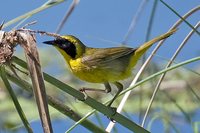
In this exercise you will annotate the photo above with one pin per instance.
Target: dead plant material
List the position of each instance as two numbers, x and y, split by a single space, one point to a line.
8 42
26 39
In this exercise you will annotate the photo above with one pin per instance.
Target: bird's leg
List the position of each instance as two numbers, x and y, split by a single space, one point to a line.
107 87
106 90
84 89
120 88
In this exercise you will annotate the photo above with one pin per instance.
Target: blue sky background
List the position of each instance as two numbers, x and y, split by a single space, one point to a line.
94 21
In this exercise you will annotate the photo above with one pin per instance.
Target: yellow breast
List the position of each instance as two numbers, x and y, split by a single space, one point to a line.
94 75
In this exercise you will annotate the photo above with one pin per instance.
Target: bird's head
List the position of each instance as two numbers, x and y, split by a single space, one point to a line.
69 46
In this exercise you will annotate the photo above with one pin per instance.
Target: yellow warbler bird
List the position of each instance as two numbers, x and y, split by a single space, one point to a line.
101 65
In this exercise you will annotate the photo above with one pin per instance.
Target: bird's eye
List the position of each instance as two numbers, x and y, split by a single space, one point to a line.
64 45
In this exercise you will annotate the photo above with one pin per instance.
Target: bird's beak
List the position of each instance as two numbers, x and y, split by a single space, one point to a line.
52 42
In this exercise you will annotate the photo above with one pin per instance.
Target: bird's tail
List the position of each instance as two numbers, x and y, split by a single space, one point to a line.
143 48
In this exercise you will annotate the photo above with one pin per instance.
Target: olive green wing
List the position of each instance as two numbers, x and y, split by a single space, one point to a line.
113 59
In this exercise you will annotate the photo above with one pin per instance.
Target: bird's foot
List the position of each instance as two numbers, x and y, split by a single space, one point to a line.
114 111
84 93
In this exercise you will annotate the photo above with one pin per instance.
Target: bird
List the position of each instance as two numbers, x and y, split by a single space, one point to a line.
101 65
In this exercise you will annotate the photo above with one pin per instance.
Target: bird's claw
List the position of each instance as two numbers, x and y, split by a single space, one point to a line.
84 93
114 111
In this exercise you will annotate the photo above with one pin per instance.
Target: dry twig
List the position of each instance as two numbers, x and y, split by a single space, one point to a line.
8 41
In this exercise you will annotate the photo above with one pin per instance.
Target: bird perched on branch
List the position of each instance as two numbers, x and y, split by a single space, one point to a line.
101 65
